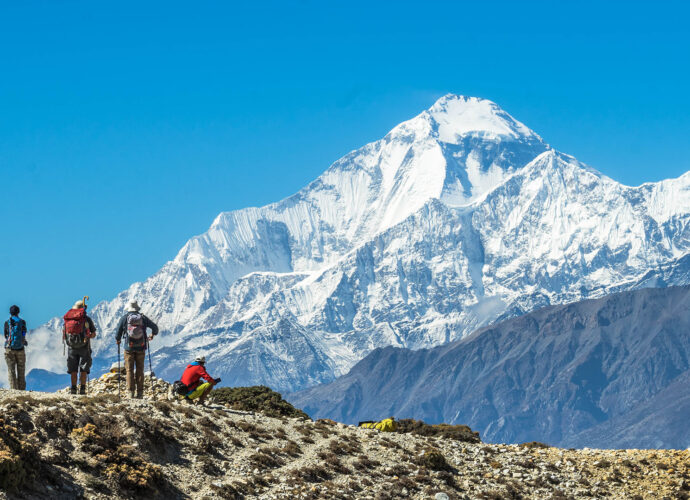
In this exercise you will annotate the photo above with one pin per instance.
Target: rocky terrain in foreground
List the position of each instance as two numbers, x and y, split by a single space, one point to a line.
53 445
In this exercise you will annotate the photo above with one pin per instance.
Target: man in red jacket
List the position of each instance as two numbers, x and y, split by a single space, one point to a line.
192 379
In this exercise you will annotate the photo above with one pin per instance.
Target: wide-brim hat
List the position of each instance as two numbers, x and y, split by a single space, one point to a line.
133 306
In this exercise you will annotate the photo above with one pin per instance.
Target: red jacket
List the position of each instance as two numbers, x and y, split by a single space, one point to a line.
192 375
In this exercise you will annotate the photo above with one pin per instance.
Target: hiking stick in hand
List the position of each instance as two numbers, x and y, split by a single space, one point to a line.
119 373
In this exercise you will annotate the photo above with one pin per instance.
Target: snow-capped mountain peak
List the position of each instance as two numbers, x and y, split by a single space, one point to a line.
456 217
454 116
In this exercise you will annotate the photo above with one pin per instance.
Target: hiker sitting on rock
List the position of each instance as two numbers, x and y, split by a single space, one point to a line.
15 340
192 379
133 327
77 333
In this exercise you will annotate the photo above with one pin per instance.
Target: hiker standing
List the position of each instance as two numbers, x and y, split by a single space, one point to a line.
77 332
15 340
192 379
133 326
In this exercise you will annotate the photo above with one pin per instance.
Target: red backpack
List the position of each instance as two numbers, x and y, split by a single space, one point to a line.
75 326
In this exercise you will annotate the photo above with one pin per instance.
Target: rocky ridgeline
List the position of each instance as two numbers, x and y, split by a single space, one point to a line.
58 446
154 388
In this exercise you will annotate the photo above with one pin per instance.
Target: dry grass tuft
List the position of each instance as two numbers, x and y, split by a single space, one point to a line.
456 432
434 460
311 474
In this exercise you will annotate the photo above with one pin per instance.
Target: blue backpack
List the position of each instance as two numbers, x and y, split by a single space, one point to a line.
15 339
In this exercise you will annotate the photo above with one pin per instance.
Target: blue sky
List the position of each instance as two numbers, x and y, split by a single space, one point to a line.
126 127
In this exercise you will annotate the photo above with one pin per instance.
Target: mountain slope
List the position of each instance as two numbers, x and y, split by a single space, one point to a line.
609 372
458 217
658 422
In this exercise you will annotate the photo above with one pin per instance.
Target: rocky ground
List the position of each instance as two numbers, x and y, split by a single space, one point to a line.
154 387
63 446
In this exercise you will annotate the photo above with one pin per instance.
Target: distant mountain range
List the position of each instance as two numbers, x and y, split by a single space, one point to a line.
457 218
612 372
46 381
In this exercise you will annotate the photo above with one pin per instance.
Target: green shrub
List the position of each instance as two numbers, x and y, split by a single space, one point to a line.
455 432
257 398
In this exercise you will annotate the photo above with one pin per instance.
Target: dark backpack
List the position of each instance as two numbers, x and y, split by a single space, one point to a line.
15 339
75 327
180 388
136 330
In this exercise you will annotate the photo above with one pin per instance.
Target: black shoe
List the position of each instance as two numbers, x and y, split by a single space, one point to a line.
73 389
82 389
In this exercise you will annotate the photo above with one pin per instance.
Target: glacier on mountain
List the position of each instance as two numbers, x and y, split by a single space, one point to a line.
456 218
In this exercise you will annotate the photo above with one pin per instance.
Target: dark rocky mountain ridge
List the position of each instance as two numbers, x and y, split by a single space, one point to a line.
609 372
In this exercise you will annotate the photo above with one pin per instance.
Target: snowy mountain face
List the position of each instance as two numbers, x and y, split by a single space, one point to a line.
454 219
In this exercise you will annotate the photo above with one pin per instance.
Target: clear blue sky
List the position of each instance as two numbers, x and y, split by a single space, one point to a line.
126 127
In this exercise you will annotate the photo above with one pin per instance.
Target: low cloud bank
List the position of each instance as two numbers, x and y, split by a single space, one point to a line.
44 351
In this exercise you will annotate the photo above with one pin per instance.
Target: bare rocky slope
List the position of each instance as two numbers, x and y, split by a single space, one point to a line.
609 373
57 446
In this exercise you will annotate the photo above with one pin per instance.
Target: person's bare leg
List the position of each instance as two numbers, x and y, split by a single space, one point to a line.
73 376
82 381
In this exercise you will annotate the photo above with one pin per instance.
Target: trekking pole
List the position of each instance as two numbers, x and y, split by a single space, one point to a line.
148 348
86 297
119 373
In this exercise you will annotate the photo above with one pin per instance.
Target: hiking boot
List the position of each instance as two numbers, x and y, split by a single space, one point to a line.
82 389
73 389
140 395
131 395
